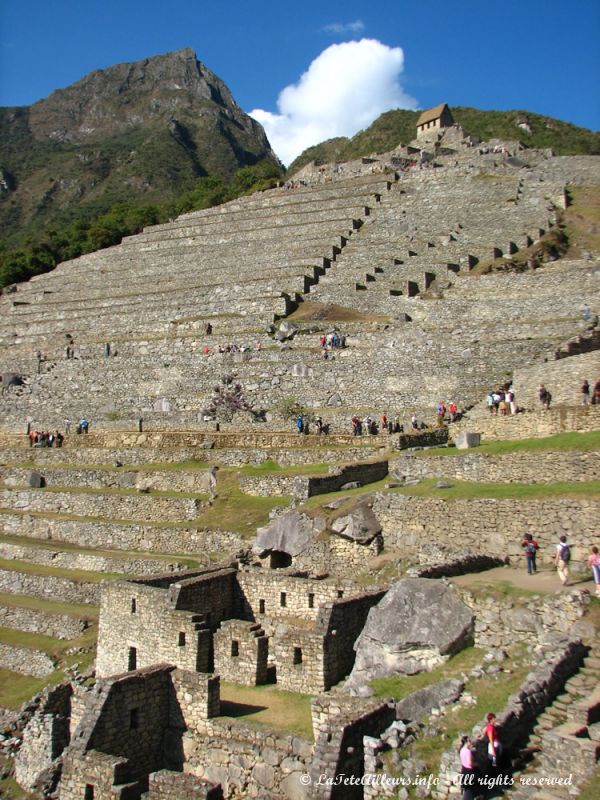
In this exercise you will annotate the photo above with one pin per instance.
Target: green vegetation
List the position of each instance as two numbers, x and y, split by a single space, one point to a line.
267 707
79 610
465 490
29 251
80 575
582 220
232 510
398 686
399 126
273 468
561 442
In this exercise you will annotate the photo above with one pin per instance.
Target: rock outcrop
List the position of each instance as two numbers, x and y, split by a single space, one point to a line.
416 626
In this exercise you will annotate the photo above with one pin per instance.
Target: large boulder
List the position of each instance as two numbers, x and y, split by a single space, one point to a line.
360 525
417 625
290 533
417 705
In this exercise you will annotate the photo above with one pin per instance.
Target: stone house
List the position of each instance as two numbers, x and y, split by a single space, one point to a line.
248 625
433 119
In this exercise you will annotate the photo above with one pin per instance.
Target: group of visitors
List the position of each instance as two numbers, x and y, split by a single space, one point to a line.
45 439
303 425
332 340
372 427
502 401
589 395
562 559
471 779
441 411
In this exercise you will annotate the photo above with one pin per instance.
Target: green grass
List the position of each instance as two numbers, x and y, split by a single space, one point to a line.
267 707
270 467
235 511
80 575
398 686
69 547
111 490
79 610
466 490
16 688
561 442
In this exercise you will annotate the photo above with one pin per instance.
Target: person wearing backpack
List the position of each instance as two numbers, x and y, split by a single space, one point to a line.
530 546
563 557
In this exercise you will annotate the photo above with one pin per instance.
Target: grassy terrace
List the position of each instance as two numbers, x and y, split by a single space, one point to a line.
78 575
54 545
561 442
267 707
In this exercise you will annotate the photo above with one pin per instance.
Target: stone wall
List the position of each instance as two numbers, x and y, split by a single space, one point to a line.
241 650
286 595
175 480
25 661
49 587
522 467
59 626
560 419
122 536
86 561
500 621
517 719
340 723
111 506
45 736
431 529
168 785
140 625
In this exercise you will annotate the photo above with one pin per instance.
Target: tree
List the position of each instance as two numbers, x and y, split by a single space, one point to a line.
228 399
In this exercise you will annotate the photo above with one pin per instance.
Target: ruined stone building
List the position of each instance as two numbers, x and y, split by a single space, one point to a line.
242 624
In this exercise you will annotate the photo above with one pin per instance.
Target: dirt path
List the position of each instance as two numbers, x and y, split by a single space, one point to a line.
545 581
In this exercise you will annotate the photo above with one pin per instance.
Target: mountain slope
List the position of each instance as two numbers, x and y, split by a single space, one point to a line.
399 126
139 133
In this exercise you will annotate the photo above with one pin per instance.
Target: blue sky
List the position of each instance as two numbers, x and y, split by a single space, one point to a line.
536 55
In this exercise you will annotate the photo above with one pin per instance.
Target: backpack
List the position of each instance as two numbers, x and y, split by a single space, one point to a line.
565 553
530 548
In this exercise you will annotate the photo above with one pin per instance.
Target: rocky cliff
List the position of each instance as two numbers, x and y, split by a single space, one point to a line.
139 132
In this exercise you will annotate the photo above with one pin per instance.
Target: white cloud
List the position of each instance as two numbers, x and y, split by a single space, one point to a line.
344 89
340 28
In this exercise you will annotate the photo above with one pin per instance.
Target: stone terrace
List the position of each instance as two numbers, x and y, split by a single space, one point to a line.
377 243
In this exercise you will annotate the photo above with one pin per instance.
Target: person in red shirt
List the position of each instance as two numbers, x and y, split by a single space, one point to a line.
492 737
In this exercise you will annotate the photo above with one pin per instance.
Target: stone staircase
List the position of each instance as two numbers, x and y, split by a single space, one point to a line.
566 739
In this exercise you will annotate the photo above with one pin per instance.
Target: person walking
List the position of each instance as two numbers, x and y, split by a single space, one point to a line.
530 547
585 393
594 562
562 560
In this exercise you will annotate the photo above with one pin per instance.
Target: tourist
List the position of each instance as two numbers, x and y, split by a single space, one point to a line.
544 396
563 557
585 393
468 776
594 562
384 422
414 423
356 425
208 329
84 425
67 424
512 404
491 733
596 395
107 349
59 438
587 312
318 425
299 423
453 411
530 547
490 402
